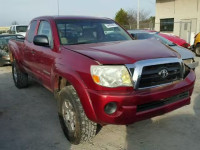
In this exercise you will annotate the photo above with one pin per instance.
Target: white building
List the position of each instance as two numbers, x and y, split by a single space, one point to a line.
180 17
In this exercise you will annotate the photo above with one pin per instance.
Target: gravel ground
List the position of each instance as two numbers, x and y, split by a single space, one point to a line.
28 121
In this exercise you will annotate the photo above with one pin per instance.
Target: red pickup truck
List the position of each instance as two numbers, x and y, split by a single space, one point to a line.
99 75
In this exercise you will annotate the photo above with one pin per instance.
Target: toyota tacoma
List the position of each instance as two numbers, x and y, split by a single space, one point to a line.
99 74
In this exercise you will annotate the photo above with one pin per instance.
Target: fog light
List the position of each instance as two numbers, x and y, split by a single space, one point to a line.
110 108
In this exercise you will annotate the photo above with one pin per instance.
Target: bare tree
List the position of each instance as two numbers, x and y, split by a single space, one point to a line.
144 15
132 18
132 13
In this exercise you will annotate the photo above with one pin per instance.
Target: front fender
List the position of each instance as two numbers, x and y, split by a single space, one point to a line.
73 78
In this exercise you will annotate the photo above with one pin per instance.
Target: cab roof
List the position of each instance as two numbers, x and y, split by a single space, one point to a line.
71 17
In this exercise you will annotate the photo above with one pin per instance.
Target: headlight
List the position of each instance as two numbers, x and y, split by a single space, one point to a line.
111 76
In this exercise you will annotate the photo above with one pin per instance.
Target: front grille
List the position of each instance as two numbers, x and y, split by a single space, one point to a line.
156 104
151 75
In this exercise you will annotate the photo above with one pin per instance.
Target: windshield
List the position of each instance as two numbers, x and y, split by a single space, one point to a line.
21 28
72 32
143 36
163 40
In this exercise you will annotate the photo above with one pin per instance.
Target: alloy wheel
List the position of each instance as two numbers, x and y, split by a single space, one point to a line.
69 116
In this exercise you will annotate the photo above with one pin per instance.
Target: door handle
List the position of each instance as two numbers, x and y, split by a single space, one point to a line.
33 52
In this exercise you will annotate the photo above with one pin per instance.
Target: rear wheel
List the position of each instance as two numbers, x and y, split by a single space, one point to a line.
75 124
197 49
20 78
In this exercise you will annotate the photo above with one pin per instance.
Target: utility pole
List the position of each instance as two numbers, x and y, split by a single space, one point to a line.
138 15
58 6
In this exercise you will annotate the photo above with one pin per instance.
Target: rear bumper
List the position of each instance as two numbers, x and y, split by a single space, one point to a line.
128 102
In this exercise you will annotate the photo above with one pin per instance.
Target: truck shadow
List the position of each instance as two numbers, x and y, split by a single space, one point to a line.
28 118
177 130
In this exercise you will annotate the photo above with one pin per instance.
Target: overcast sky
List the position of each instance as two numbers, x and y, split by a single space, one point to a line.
23 11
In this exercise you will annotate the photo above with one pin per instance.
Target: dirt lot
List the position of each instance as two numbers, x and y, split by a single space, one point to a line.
28 121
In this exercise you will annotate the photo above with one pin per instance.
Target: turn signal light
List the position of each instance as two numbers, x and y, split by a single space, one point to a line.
96 79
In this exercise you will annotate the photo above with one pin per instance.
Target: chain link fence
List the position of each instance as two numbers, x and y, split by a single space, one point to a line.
143 26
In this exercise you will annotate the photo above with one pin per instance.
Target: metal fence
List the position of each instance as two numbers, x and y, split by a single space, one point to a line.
149 26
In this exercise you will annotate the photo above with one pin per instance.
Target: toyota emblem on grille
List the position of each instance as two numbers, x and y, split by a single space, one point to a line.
163 73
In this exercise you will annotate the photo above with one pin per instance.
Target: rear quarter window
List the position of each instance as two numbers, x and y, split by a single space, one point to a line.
31 31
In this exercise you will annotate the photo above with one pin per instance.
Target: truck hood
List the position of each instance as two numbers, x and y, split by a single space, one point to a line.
185 53
123 52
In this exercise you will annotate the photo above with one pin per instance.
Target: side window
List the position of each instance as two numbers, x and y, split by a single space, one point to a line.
45 29
31 31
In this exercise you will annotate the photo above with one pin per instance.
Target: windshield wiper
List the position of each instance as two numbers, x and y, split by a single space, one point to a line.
81 43
77 43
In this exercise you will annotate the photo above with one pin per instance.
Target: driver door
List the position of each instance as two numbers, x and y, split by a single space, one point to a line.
45 55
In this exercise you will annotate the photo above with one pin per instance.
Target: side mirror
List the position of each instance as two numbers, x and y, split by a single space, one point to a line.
41 40
133 36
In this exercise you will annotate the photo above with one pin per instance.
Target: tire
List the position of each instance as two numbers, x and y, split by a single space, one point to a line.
20 78
75 124
99 127
197 50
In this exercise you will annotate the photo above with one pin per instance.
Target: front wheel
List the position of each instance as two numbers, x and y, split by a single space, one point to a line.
20 78
197 49
75 124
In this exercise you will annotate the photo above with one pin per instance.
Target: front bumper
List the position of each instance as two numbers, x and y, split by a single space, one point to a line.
128 102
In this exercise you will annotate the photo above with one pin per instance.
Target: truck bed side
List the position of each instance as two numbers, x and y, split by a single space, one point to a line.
16 48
